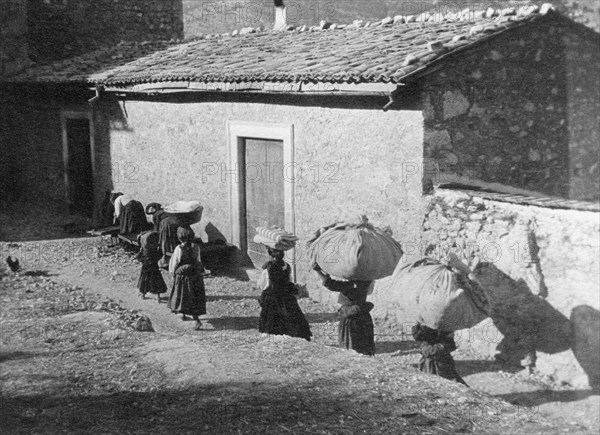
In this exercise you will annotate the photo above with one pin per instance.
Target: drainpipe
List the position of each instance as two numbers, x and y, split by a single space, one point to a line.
280 15
393 98
95 98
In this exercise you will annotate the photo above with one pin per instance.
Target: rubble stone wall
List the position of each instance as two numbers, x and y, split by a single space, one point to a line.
520 111
540 269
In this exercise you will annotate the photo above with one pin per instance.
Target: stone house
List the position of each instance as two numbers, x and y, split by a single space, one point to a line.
300 127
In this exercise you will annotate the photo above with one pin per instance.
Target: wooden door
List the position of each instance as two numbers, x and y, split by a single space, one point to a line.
263 176
79 167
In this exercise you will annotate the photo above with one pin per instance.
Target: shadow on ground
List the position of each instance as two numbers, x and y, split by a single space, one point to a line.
471 367
536 398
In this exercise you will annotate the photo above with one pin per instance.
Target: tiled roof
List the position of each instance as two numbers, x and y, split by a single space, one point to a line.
383 52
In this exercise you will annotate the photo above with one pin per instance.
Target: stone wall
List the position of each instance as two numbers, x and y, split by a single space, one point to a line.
520 111
13 37
540 268
64 28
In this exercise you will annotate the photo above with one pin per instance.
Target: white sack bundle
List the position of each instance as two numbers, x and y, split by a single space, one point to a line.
355 250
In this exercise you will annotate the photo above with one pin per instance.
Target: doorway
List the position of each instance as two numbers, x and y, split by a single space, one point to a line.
78 163
262 191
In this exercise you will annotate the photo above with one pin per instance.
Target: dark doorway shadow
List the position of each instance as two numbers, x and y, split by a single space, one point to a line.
527 322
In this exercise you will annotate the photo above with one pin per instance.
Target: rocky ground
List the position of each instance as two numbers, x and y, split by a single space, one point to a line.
81 352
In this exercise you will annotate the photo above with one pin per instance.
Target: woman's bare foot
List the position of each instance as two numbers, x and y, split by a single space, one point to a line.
184 318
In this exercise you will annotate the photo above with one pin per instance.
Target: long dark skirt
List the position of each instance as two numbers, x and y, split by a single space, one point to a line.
280 314
133 218
151 280
441 364
168 240
188 295
356 332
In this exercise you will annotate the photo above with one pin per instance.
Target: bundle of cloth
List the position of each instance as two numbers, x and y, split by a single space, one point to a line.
275 238
355 250
184 213
441 295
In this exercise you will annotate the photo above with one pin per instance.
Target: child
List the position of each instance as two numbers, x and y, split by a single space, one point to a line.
151 280
280 313
188 296
435 352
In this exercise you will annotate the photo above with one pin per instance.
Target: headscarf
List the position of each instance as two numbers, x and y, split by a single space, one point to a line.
153 207
277 254
114 196
185 234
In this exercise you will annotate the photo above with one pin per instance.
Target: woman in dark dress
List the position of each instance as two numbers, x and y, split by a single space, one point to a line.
435 352
151 280
155 210
130 213
355 330
188 296
280 313
167 230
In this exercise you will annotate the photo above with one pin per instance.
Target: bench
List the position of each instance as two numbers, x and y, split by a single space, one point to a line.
130 240
112 231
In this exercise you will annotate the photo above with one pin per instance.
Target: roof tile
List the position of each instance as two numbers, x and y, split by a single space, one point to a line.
386 51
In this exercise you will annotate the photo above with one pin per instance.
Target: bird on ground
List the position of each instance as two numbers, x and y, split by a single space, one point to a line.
13 264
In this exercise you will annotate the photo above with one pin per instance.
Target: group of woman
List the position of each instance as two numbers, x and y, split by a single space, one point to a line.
280 312
187 296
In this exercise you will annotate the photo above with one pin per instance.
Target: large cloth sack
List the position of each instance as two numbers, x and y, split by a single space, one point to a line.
440 297
185 213
355 250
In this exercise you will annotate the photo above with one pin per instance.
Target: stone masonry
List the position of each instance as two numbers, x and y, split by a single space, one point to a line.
521 112
540 268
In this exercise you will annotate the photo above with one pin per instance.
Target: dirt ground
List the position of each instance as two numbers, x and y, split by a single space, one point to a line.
73 359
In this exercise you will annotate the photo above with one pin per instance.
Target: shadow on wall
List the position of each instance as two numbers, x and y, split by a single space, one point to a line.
585 338
527 322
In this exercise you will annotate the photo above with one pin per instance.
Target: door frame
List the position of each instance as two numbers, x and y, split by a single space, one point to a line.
77 114
237 132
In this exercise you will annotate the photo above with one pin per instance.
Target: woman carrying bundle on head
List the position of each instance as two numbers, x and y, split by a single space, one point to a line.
130 214
348 256
355 330
150 280
280 313
435 347
188 296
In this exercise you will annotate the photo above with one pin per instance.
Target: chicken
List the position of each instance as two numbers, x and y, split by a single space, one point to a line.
13 264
